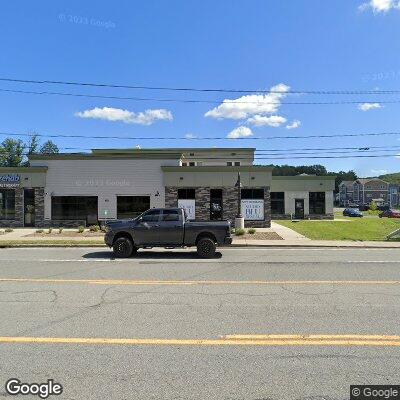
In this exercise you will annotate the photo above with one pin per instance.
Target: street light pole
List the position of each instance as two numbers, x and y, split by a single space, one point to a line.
239 186
239 221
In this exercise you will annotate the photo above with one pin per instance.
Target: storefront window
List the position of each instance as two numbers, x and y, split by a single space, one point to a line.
252 194
278 202
184 194
317 202
132 206
252 204
74 208
7 204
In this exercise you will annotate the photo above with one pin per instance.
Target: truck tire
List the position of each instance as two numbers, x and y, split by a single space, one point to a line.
206 248
123 247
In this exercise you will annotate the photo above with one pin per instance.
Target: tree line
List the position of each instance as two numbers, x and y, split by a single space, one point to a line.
15 152
317 169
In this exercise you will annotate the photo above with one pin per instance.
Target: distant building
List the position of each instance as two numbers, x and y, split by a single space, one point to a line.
346 193
370 189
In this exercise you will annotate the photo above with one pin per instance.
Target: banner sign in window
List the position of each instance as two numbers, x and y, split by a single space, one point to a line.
189 205
253 210
9 181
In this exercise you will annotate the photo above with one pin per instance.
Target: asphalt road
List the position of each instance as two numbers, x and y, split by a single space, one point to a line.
166 325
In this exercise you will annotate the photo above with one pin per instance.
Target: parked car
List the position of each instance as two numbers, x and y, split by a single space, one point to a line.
363 207
352 212
166 227
384 207
390 214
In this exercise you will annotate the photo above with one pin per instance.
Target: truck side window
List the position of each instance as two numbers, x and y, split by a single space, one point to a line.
151 216
170 215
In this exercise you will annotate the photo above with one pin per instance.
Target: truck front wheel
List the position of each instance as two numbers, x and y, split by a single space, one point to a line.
123 247
206 248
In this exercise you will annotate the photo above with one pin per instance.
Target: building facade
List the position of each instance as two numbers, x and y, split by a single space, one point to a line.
211 184
370 189
346 190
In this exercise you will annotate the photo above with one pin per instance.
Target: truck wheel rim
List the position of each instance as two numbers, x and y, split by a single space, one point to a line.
205 246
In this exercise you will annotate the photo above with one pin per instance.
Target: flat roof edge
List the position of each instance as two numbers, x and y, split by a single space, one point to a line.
216 168
23 169
305 177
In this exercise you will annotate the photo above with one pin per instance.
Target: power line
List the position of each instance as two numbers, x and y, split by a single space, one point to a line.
204 138
194 101
192 89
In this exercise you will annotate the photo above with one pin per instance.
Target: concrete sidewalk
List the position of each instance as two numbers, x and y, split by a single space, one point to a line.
290 239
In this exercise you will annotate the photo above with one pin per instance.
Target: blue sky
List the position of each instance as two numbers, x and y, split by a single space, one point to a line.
301 45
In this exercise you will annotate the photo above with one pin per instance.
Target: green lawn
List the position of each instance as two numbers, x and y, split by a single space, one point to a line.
367 228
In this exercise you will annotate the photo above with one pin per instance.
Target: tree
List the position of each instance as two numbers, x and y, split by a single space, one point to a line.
33 144
11 152
49 147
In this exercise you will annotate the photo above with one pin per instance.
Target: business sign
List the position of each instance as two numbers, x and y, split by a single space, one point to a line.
189 205
10 181
253 210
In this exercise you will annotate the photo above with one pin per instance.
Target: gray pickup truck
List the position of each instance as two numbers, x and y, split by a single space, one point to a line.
166 227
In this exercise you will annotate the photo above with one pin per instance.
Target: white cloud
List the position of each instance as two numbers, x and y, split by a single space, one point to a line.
379 171
380 6
369 106
241 131
190 136
249 105
295 124
146 117
273 120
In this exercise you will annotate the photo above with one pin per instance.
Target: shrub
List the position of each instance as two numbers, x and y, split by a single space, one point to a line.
8 230
60 229
373 206
39 230
50 230
252 231
2 232
94 228
81 229
239 232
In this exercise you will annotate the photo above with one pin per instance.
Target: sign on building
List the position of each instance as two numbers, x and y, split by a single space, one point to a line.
253 209
9 181
189 205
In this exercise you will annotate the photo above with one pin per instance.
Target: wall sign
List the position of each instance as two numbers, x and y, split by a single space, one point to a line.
189 205
10 181
253 210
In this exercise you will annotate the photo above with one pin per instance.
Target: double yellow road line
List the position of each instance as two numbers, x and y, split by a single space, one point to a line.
228 340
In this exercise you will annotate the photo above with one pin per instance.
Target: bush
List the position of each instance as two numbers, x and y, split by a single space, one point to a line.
60 229
39 230
373 206
81 229
239 232
2 232
94 228
251 231
50 230
373 212
8 230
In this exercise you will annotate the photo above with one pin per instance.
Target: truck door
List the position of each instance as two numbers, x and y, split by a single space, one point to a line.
147 229
171 228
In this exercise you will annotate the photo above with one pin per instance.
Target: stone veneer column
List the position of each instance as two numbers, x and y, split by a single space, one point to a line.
39 207
230 203
202 195
171 196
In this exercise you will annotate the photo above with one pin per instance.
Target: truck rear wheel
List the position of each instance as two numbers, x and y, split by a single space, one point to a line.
206 248
123 247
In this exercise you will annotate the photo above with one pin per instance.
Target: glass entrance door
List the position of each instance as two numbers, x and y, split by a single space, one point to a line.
215 204
299 208
29 207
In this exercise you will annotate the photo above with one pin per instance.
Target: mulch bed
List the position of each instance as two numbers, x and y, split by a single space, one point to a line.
260 236
68 234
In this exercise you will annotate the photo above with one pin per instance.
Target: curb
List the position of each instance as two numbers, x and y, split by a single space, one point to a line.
244 245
